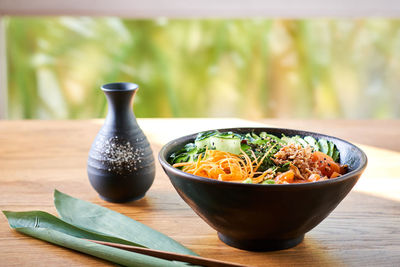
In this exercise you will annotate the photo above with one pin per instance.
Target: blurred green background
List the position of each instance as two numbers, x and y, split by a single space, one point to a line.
248 68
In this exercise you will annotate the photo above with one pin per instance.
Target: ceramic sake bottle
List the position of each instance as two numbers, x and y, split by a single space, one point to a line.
121 164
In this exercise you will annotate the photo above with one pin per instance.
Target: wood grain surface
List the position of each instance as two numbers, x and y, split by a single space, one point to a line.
38 156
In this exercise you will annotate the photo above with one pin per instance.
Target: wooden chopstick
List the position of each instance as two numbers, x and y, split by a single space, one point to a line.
171 255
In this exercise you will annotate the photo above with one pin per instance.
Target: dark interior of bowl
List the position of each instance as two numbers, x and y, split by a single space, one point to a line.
264 217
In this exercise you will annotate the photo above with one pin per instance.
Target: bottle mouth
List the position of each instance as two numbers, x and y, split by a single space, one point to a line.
114 87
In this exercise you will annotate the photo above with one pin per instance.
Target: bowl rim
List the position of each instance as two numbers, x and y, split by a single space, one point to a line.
166 165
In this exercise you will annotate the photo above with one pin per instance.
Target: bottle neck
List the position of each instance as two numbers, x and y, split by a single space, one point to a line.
120 113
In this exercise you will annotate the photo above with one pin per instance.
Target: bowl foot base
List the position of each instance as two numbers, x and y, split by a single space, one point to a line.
121 200
261 244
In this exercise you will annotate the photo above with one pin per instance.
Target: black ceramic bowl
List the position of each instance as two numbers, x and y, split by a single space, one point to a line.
263 217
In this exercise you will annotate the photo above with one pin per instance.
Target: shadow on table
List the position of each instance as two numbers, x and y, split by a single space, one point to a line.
363 231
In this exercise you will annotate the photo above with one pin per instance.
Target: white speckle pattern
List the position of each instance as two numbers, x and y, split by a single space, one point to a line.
118 155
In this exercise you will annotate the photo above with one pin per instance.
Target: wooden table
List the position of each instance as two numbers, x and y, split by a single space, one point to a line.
38 156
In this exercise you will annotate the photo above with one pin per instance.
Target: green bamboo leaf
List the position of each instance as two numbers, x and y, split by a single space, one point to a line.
40 219
115 255
98 219
47 227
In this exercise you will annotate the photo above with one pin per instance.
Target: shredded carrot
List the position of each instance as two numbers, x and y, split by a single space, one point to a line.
254 156
262 159
224 166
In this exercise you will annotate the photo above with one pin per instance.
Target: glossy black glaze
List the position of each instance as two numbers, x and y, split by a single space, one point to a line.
264 217
121 164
